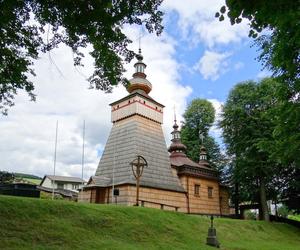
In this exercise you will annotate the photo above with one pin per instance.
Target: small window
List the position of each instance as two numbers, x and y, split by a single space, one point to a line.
116 192
129 101
210 192
75 186
60 186
144 102
156 108
118 106
197 189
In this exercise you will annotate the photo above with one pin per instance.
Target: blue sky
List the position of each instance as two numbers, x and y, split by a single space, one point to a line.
196 57
240 58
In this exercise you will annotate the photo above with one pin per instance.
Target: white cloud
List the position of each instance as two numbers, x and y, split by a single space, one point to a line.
28 132
239 65
200 28
212 64
198 23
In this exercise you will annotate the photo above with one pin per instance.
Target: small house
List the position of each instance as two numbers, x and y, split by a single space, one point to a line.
62 182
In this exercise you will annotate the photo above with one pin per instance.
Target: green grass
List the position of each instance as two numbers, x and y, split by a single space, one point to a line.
27 223
294 217
33 181
29 176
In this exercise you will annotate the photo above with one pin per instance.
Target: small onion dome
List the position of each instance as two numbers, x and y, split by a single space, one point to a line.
203 154
139 80
175 126
176 145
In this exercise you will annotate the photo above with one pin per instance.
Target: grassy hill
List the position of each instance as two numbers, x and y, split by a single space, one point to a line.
294 217
45 224
28 178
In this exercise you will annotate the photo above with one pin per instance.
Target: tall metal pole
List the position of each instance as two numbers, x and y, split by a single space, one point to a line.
54 164
82 158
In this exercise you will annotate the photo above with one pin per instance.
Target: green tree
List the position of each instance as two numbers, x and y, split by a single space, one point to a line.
284 147
246 125
275 26
198 118
280 41
6 177
31 27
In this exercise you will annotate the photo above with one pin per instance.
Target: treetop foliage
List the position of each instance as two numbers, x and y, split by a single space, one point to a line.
31 27
199 117
280 43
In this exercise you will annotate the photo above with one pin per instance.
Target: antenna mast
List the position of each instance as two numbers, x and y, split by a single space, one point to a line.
54 164
82 157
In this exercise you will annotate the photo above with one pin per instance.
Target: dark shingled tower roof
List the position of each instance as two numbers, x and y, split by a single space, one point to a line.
135 137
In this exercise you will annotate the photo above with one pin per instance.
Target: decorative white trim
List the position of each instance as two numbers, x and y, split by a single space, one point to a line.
139 106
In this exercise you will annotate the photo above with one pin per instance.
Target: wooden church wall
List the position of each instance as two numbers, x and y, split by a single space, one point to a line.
200 202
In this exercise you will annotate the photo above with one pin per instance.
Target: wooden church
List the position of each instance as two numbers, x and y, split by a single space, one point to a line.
171 181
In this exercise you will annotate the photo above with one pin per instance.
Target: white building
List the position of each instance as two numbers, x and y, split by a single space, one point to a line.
62 182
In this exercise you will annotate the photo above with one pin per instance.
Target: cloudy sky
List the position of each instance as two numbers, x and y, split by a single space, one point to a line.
196 57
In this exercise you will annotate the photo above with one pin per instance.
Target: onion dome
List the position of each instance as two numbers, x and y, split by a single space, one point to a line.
176 145
179 158
203 154
139 81
203 157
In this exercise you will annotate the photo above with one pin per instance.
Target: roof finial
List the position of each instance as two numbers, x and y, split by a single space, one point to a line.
139 55
201 136
140 38
175 126
174 113
203 154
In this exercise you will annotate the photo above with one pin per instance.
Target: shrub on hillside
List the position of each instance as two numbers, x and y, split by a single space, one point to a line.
249 215
283 211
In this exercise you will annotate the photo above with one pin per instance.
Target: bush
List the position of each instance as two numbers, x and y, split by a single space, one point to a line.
283 211
249 215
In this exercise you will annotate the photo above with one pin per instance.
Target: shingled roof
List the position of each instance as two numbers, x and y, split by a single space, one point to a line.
185 165
132 137
63 178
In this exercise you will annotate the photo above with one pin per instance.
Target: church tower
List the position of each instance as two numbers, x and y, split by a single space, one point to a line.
171 180
137 130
